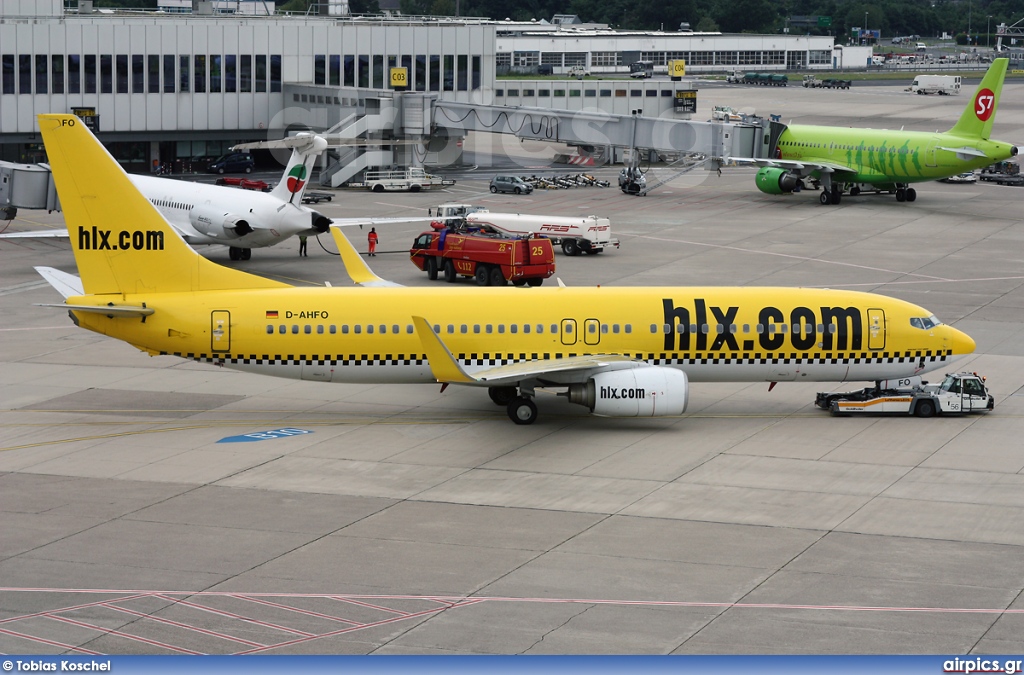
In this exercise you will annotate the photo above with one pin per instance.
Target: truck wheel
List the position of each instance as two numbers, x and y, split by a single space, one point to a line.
483 276
519 282
432 268
449 272
414 188
569 247
378 188
502 395
536 281
522 411
497 277
593 251
925 408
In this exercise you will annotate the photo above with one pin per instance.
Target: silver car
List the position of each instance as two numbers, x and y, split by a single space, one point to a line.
510 184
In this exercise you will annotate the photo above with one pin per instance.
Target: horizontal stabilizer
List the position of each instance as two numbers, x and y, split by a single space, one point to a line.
303 143
965 154
36 234
66 284
107 310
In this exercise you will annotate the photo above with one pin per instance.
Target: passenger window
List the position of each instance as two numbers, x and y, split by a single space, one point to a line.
654 328
282 330
295 329
369 329
383 329
746 328
357 329
604 328
488 329
540 328
307 329
270 329
409 329
476 328
782 328
463 329
501 328
704 328
451 328
320 329
629 328
554 329
681 328
615 328
333 329
514 328
526 328
395 329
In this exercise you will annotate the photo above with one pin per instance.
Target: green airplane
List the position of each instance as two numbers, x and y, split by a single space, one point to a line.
845 158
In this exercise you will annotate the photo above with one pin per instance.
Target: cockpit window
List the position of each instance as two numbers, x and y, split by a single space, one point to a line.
925 323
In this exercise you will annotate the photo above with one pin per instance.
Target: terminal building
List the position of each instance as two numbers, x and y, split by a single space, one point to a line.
164 87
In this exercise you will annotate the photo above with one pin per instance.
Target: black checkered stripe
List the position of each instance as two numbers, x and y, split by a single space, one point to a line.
662 359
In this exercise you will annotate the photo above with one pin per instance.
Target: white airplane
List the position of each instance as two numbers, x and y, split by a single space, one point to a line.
241 219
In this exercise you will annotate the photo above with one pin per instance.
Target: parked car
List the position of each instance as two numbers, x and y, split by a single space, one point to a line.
510 184
235 162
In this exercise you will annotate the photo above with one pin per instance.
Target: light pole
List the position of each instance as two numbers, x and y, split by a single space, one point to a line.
865 25
988 31
968 21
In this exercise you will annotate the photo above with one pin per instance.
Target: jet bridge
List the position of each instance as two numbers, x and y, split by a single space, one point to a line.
716 140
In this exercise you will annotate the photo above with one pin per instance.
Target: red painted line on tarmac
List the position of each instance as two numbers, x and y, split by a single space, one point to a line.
307 612
72 607
127 636
240 617
350 601
184 626
44 641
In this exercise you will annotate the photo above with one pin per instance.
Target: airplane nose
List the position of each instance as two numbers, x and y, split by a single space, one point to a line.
960 342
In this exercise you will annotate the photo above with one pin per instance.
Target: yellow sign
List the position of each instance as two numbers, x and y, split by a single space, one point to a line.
399 77
677 68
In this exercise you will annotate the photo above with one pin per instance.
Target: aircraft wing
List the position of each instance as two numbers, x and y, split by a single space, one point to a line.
803 168
569 370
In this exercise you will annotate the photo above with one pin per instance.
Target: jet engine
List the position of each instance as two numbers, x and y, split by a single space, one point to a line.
320 222
776 181
638 392
216 223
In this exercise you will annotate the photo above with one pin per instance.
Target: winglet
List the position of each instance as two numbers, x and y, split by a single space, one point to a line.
443 365
355 266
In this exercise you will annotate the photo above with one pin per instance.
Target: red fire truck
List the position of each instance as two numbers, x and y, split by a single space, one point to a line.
492 260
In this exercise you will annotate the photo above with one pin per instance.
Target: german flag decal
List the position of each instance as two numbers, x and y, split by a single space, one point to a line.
271 314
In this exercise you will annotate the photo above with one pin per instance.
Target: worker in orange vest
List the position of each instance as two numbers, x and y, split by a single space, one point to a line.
371 238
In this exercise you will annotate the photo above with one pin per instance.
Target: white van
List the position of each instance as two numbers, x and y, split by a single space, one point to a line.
922 47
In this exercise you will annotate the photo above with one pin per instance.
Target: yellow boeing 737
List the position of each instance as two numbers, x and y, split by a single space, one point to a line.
617 351
842 159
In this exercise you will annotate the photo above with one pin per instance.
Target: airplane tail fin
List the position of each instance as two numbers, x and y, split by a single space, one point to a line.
122 244
296 175
977 118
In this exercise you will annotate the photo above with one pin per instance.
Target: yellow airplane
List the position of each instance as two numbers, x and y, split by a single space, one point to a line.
617 351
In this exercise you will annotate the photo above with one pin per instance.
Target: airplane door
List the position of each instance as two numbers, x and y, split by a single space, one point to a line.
876 329
929 153
568 331
592 332
220 331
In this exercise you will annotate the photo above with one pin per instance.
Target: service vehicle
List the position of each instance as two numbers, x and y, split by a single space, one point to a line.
835 83
1003 173
245 184
735 77
641 69
492 259
579 72
944 85
235 162
575 234
957 393
812 81
412 178
965 177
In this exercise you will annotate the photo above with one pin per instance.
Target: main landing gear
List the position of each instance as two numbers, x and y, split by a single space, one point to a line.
236 253
831 195
905 194
519 404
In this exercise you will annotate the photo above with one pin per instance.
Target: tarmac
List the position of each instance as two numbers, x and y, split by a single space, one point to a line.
405 520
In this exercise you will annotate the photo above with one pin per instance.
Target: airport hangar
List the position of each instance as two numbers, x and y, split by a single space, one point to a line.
162 88
416 522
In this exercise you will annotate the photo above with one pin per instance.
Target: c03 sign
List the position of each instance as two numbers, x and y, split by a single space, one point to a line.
399 77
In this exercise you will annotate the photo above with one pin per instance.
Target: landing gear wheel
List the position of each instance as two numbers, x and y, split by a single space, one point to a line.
234 253
522 411
497 278
901 195
536 281
923 409
246 254
825 198
570 247
482 275
854 191
837 194
449 272
911 195
432 268
502 395
493 189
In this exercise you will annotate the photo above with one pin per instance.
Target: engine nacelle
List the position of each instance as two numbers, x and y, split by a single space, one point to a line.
638 392
776 181
320 222
216 223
